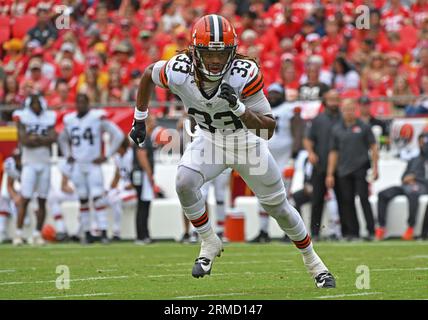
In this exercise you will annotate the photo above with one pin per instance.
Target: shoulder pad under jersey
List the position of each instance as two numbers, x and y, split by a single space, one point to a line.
176 70
246 77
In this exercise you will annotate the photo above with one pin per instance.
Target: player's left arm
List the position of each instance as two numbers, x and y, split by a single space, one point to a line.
254 111
116 136
14 195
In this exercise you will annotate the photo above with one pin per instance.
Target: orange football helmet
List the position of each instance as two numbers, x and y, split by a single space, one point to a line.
215 34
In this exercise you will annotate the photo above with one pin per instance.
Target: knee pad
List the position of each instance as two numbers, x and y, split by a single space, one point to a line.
273 203
188 184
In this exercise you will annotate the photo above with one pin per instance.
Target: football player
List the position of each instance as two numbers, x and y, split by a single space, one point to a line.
222 91
36 133
122 192
81 144
10 200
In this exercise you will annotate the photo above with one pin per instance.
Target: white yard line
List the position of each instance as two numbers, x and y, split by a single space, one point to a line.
7 271
400 269
49 281
349 295
78 295
211 295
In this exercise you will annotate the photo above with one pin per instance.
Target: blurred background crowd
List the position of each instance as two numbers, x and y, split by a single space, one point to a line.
61 47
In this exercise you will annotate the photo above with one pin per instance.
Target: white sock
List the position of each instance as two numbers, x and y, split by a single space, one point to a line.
18 233
264 222
3 224
36 233
59 223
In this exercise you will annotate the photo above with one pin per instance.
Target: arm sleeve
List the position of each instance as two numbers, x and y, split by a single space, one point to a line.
116 136
370 137
258 103
63 142
310 131
334 142
159 76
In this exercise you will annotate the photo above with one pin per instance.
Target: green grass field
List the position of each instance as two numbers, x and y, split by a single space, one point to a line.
398 270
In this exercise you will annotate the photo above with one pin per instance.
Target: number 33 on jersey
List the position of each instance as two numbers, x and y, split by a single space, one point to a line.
211 112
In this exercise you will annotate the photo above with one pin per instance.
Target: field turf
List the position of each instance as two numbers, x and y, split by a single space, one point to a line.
398 270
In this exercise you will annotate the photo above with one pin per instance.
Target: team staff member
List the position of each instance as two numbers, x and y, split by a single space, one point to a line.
350 144
414 183
143 181
316 143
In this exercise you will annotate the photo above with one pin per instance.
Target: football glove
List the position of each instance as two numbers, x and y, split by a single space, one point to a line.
138 132
227 93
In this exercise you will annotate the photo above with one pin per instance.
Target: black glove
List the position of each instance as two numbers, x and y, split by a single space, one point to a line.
138 132
227 93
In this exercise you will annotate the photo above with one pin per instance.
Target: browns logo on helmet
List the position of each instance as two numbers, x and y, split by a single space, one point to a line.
211 35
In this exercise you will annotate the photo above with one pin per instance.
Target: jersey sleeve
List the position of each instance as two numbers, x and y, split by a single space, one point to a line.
253 82
175 71
159 74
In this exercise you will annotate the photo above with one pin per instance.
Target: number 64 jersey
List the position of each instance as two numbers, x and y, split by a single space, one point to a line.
211 113
82 136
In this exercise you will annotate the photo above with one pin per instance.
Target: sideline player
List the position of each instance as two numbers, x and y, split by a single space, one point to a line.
36 133
81 144
221 90
10 200
122 192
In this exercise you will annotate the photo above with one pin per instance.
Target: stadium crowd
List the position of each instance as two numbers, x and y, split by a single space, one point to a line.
60 49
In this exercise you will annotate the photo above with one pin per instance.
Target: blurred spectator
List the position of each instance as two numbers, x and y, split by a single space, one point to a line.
102 27
423 65
9 95
179 43
319 17
402 95
14 59
289 79
62 96
171 16
290 25
316 62
344 76
420 106
94 82
44 32
40 83
313 89
133 87
368 118
373 74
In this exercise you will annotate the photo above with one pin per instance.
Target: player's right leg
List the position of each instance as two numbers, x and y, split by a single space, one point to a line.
192 173
4 217
28 184
79 181
269 189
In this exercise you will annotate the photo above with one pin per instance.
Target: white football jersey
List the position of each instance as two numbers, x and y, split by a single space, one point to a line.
36 125
281 142
85 135
125 164
211 113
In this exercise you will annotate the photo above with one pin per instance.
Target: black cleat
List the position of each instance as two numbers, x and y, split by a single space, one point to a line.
202 267
325 280
61 237
263 237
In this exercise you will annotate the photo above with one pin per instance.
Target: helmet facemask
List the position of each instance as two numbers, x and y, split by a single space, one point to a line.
202 66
